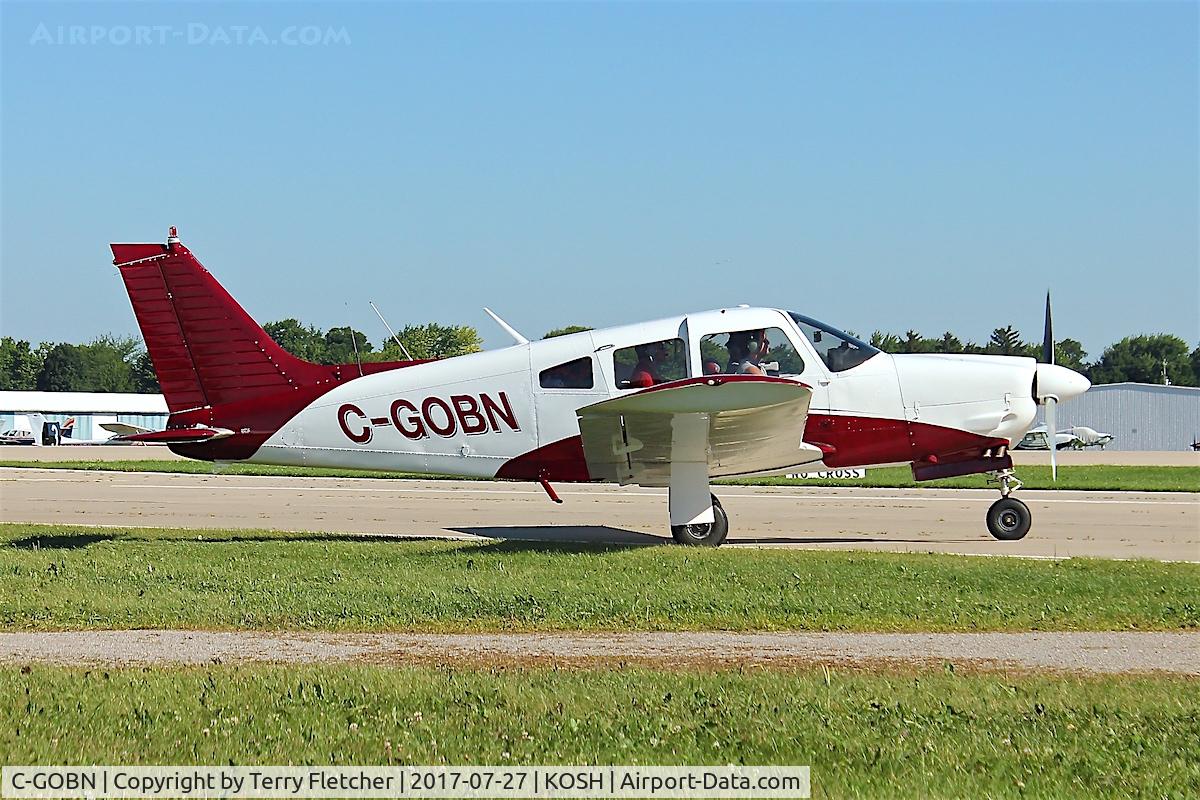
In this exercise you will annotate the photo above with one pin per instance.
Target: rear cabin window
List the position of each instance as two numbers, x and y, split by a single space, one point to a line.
649 364
575 374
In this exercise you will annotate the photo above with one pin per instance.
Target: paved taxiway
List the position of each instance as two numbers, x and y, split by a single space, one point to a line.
1066 458
1066 524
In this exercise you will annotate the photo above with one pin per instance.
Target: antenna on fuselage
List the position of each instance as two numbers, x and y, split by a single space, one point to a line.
395 338
509 329
354 343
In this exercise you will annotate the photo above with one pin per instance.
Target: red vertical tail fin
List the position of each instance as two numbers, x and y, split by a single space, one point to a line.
217 367
206 349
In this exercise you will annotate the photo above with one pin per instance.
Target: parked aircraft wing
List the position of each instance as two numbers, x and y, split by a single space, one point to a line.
123 428
738 424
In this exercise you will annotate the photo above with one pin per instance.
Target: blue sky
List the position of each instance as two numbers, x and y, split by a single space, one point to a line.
880 166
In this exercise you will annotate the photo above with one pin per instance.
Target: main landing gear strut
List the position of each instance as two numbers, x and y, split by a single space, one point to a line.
1008 519
696 515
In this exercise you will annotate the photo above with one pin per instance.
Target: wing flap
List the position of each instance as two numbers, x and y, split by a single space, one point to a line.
734 424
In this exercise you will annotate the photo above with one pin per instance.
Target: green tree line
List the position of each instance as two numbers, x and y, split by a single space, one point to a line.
106 364
120 364
1138 358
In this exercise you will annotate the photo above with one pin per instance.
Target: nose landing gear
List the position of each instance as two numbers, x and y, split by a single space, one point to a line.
1008 519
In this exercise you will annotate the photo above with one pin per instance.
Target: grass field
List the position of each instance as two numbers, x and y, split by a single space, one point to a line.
901 734
54 577
1089 477
1099 477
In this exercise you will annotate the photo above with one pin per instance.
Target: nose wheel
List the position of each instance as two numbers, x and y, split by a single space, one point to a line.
1008 519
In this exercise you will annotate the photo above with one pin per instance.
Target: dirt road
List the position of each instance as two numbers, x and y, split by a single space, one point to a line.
1177 653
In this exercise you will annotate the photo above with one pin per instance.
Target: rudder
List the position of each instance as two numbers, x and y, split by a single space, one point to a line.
206 350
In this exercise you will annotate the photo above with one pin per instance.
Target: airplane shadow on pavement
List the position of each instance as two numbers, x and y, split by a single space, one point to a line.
514 537
779 540
564 534
607 535
511 536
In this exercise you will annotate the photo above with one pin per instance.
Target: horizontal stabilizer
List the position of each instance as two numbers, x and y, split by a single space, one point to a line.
177 436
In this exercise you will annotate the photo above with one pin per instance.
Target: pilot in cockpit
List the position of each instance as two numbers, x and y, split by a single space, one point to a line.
745 350
838 358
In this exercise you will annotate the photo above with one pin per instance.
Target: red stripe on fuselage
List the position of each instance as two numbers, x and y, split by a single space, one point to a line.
852 442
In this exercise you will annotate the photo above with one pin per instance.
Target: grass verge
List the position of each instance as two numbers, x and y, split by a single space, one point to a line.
904 734
56 577
1092 477
1087 477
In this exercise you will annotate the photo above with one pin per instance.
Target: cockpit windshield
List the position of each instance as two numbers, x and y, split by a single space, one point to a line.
840 351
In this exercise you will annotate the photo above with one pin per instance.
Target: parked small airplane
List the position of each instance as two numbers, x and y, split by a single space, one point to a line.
1090 437
23 431
17 436
1038 438
54 433
113 431
672 402
1076 438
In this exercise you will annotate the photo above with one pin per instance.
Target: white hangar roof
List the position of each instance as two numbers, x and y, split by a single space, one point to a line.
82 403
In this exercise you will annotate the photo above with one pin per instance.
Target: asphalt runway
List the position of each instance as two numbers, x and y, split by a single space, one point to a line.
1163 526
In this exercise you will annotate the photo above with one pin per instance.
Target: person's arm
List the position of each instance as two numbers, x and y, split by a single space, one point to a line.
641 379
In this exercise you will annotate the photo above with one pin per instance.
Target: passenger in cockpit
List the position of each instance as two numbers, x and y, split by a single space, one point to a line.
651 358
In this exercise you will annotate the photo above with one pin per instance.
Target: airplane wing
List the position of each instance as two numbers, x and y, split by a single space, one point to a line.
732 424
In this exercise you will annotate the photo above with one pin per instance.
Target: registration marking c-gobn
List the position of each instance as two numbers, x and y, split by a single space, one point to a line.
432 416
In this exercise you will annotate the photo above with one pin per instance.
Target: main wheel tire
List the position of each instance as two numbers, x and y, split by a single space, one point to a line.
709 534
1008 519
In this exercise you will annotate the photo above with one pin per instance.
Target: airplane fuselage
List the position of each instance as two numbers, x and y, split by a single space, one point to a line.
673 402
490 415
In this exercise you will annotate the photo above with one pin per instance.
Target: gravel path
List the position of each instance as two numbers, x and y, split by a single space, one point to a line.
1177 653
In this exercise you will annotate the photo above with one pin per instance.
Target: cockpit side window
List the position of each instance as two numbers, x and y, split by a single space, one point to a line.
752 352
840 351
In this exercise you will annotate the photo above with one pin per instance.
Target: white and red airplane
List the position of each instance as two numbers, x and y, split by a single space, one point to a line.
673 402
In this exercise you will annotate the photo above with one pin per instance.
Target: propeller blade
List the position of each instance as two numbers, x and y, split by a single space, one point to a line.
1048 335
1052 436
